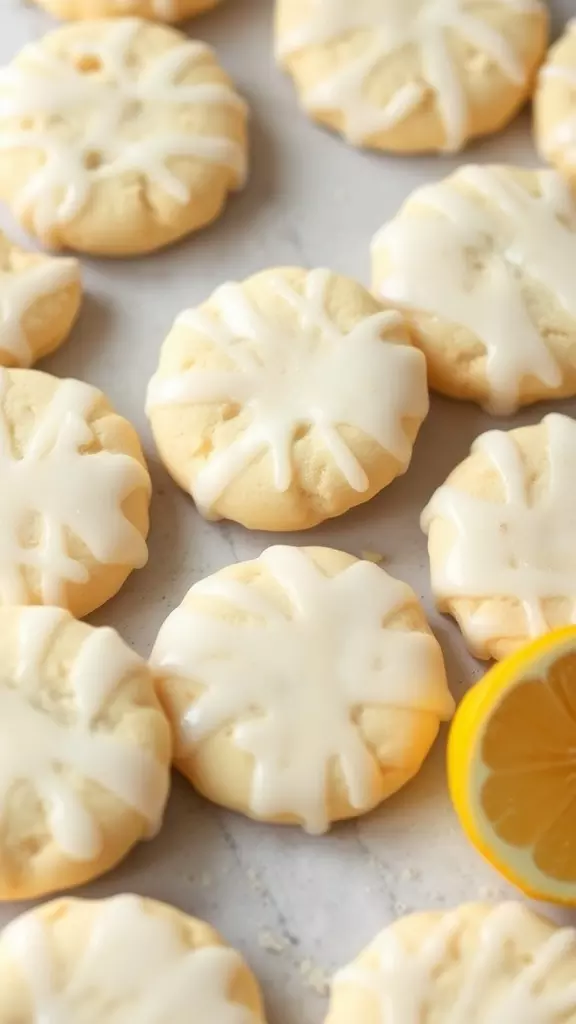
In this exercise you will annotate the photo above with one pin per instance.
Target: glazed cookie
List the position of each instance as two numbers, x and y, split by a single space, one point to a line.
501 537
287 399
121 960
303 687
482 263
158 10
118 137
412 75
555 106
85 748
480 962
39 301
74 494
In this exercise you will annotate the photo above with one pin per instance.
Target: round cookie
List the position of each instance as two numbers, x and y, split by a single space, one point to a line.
555 106
123 960
303 687
157 10
74 494
501 537
287 399
39 301
118 137
412 76
481 263
483 962
85 748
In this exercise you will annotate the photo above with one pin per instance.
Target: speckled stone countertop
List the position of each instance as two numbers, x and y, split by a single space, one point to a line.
296 906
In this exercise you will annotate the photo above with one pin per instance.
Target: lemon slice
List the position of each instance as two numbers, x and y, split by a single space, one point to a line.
512 767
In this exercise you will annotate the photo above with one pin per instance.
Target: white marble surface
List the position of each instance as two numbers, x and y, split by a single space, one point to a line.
311 201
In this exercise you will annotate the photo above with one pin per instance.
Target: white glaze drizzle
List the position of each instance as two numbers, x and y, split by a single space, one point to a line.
314 376
511 548
469 258
70 491
394 25
289 684
134 968
41 85
36 745
19 290
408 984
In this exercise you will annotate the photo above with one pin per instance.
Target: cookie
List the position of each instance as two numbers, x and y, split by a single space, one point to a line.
303 687
85 752
39 301
481 962
555 106
118 136
157 10
74 494
500 537
482 265
121 960
412 77
287 399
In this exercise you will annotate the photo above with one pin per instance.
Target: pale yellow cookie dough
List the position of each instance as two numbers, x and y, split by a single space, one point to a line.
74 494
412 76
555 106
501 537
482 264
122 960
39 301
156 10
287 399
303 687
86 751
119 136
480 962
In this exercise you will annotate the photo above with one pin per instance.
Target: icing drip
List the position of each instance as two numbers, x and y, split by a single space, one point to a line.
470 259
19 290
314 376
54 754
407 984
393 26
511 548
290 684
97 144
135 967
69 491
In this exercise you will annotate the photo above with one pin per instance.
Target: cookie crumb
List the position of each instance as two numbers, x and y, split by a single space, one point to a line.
372 556
315 977
272 943
254 880
487 892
